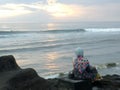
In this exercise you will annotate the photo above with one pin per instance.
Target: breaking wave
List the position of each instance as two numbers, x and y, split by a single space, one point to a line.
103 29
62 31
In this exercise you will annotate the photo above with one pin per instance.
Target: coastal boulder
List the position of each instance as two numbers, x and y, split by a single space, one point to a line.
8 63
12 77
27 79
109 82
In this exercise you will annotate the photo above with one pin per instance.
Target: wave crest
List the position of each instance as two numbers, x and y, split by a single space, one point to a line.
65 31
103 30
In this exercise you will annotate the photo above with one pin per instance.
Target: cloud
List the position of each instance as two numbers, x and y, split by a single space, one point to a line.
106 12
52 7
19 1
51 2
58 10
11 10
89 2
52 10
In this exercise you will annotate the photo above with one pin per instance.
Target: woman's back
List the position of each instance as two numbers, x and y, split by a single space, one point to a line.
82 68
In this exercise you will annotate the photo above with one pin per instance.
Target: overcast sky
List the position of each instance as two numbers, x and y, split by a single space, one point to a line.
59 10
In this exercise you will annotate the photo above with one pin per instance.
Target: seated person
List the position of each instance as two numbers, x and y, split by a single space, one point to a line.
82 68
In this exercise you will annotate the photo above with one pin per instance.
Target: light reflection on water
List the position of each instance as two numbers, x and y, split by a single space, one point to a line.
52 66
51 57
51 26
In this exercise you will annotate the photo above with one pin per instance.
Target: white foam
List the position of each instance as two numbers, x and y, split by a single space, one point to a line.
103 29
52 76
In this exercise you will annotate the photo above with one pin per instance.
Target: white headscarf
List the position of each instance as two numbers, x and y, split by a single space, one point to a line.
79 52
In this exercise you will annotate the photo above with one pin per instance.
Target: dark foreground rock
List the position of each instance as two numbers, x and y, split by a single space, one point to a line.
109 82
12 77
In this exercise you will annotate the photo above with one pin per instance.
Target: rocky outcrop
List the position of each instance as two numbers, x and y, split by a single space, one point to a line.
8 63
109 82
12 77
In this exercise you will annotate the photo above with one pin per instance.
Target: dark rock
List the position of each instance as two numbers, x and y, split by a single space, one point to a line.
27 79
8 63
109 65
12 77
71 84
109 82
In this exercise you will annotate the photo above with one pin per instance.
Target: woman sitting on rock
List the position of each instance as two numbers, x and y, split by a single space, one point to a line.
82 68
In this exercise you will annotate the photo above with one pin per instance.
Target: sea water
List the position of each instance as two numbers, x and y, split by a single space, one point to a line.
49 48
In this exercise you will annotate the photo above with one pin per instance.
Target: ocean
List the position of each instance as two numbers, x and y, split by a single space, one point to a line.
49 47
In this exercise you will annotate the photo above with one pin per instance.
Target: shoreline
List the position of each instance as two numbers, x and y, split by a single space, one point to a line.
12 77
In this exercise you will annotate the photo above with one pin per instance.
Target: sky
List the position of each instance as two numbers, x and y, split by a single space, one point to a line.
59 11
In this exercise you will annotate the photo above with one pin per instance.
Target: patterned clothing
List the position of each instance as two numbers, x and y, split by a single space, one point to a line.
83 70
